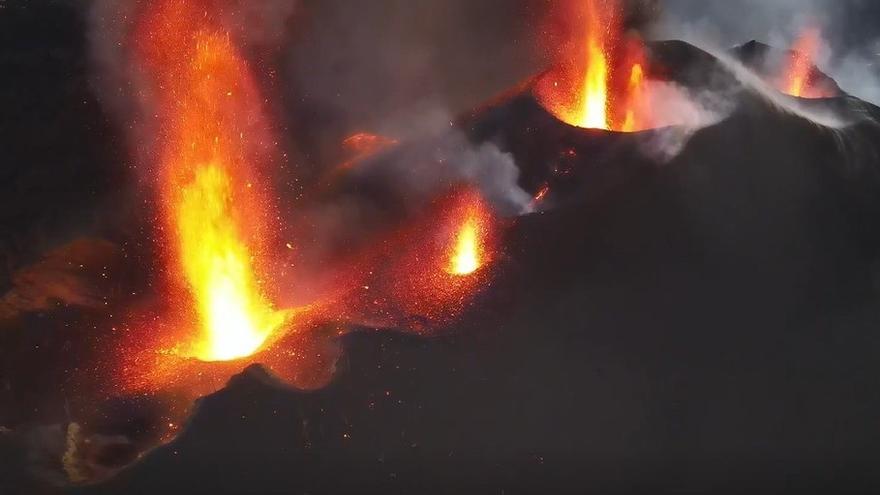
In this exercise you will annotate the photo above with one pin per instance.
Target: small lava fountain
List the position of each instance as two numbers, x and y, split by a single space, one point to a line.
466 256
799 75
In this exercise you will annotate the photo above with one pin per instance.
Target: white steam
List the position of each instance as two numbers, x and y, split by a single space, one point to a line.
679 113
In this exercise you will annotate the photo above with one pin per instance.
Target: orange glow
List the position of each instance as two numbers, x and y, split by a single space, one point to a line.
466 254
797 79
430 270
539 196
212 144
587 88
636 80
236 318
592 110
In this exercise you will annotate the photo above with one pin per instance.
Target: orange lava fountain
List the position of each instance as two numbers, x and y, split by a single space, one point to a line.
798 77
592 109
599 81
213 142
636 81
466 257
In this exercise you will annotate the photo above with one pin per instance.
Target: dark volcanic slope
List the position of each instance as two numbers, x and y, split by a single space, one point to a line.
704 325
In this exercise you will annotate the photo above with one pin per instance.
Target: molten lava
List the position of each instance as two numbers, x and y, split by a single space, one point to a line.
592 109
430 270
212 144
466 253
599 79
540 195
636 81
236 318
798 78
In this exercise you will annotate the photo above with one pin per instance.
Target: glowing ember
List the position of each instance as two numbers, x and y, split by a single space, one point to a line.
365 143
466 256
799 74
360 146
588 88
211 145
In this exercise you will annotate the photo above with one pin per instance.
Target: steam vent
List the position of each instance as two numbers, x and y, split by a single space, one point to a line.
445 246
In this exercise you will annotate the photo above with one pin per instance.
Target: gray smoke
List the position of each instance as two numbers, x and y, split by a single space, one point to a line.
447 158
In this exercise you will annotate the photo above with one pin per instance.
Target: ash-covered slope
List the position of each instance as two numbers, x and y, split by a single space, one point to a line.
702 323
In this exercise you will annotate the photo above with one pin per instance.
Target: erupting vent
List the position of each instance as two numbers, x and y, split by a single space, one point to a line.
466 258
799 75
599 79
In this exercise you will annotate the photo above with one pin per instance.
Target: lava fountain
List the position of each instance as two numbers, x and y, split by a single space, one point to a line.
213 144
466 257
598 81
426 273
798 77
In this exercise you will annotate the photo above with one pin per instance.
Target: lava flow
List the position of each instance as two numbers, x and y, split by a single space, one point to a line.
213 145
598 82
798 79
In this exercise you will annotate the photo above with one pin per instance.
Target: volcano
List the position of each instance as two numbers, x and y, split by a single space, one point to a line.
687 307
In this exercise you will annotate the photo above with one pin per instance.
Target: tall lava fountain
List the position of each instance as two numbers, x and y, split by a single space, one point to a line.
213 147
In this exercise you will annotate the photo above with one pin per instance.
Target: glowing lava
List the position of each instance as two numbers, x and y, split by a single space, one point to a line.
636 81
466 255
216 260
800 68
433 266
212 144
599 81
592 110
